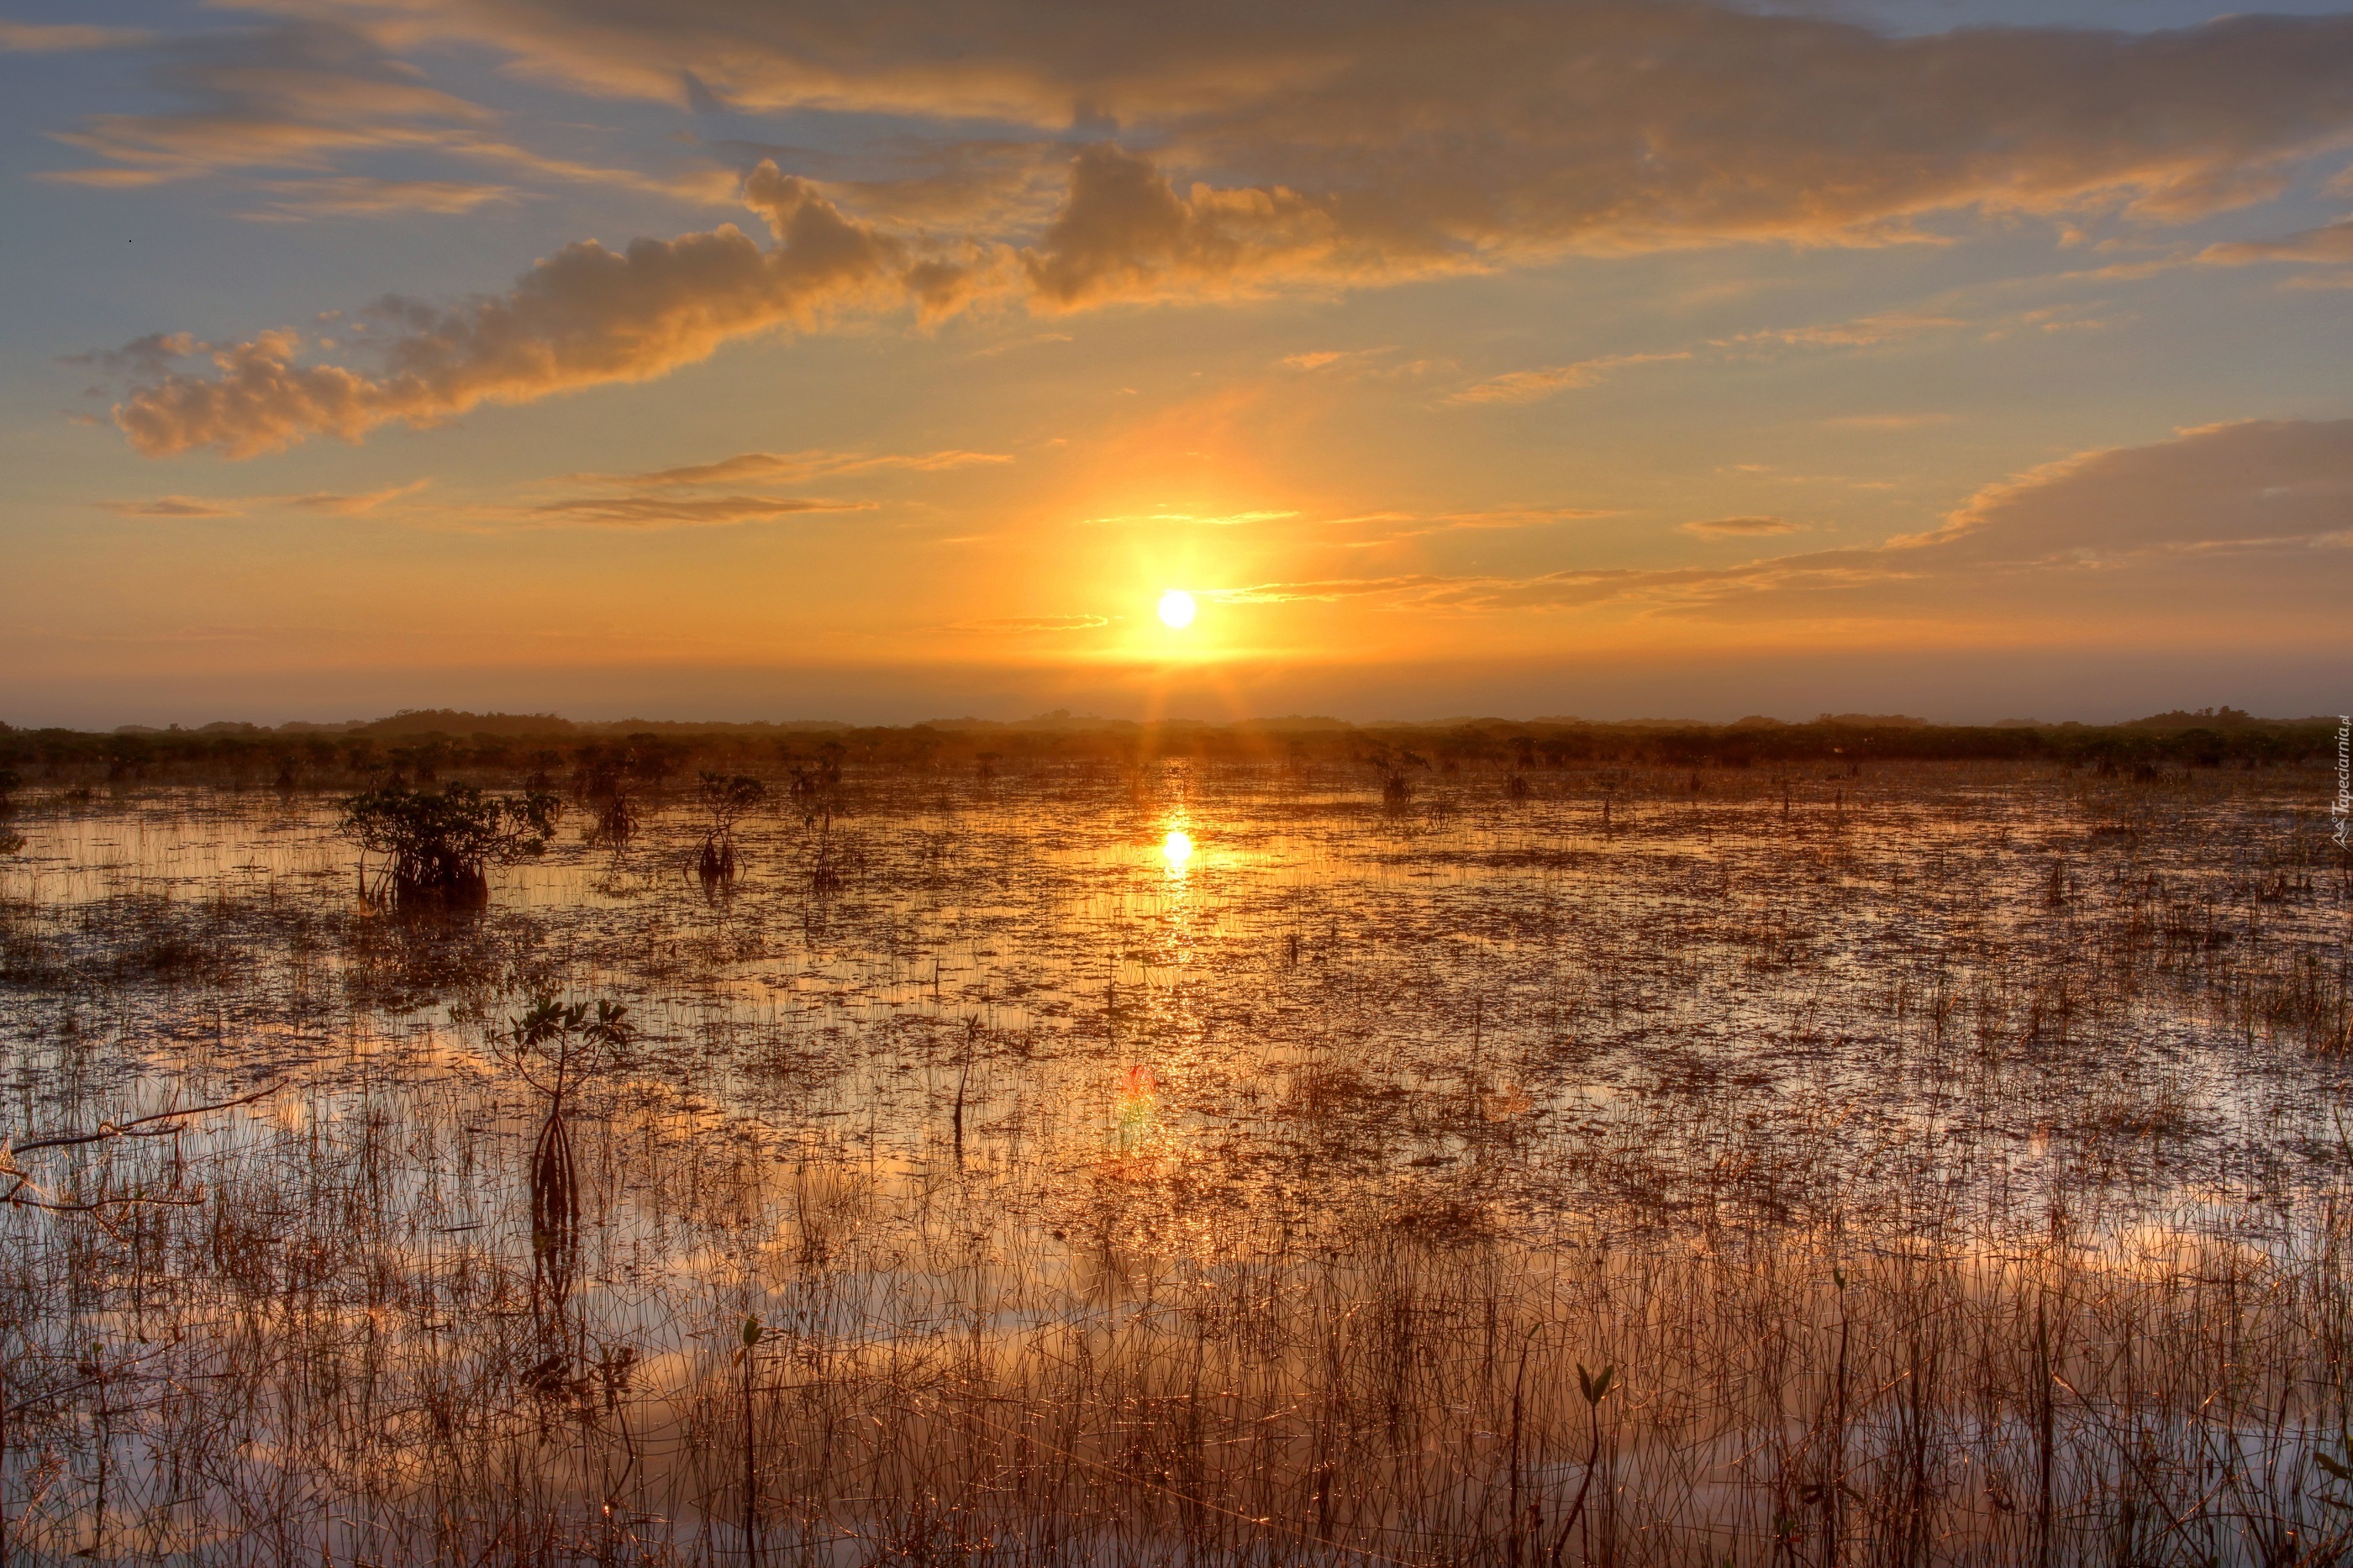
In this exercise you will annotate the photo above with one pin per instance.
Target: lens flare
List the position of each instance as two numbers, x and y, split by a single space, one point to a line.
1177 609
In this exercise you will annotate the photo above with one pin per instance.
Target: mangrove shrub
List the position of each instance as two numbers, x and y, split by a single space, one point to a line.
440 847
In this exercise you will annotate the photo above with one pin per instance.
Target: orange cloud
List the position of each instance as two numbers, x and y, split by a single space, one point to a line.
671 512
1125 231
355 196
769 467
35 39
2282 483
1034 625
585 317
308 96
1739 527
1330 588
2331 245
171 506
1860 332
339 505
1399 135
1528 385
1262 148
2096 531
1886 421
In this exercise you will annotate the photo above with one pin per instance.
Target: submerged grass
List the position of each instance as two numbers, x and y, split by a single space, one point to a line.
1942 1164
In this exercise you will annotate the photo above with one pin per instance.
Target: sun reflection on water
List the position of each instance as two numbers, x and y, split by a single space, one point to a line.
1176 849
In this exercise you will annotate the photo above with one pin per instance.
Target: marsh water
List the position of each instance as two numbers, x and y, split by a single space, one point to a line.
959 1071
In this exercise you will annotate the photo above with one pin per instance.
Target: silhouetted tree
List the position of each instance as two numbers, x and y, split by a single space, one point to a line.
441 845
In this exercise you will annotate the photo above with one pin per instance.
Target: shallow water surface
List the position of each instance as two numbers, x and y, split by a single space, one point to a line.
970 1062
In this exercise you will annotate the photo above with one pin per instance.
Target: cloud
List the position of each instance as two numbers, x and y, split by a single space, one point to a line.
2331 245
586 317
1032 339
1326 589
356 196
673 512
172 506
2260 482
1194 519
2092 534
35 39
1858 332
1528 385
977 185
151 355
1887 421
782 465
308 95
1388 527
624 511
1036 624
1739 527
2248 515
1336 138
1518 517
1862 332
335 504
1329 144
1124 231
326 502
290 96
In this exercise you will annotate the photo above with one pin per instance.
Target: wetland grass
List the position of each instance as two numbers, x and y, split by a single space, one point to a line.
1929 1164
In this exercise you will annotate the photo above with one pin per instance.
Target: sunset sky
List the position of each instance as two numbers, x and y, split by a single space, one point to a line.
884 360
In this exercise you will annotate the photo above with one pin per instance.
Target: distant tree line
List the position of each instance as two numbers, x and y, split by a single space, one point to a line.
600 765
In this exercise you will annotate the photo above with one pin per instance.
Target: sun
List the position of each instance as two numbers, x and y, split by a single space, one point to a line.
1177 609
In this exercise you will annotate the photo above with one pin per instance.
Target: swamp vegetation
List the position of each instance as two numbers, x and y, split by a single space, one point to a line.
1530 1159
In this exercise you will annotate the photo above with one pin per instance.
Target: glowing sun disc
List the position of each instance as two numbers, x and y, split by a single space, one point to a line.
1176 849
1175 609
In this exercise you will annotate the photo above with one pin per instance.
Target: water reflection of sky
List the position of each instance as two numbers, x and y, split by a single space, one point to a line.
1259 973
1085 1046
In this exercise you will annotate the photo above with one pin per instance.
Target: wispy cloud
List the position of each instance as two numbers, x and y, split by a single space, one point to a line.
1861 331
330 503
1887 421
358 195
292 96
335 504
1870 331
172 506
1409 143
1035 625
1324 589
1377 527
40 39
2253 490
781 467
1739 527
310 96
2328 246
1528 385
673 512
1857 333
1192 519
